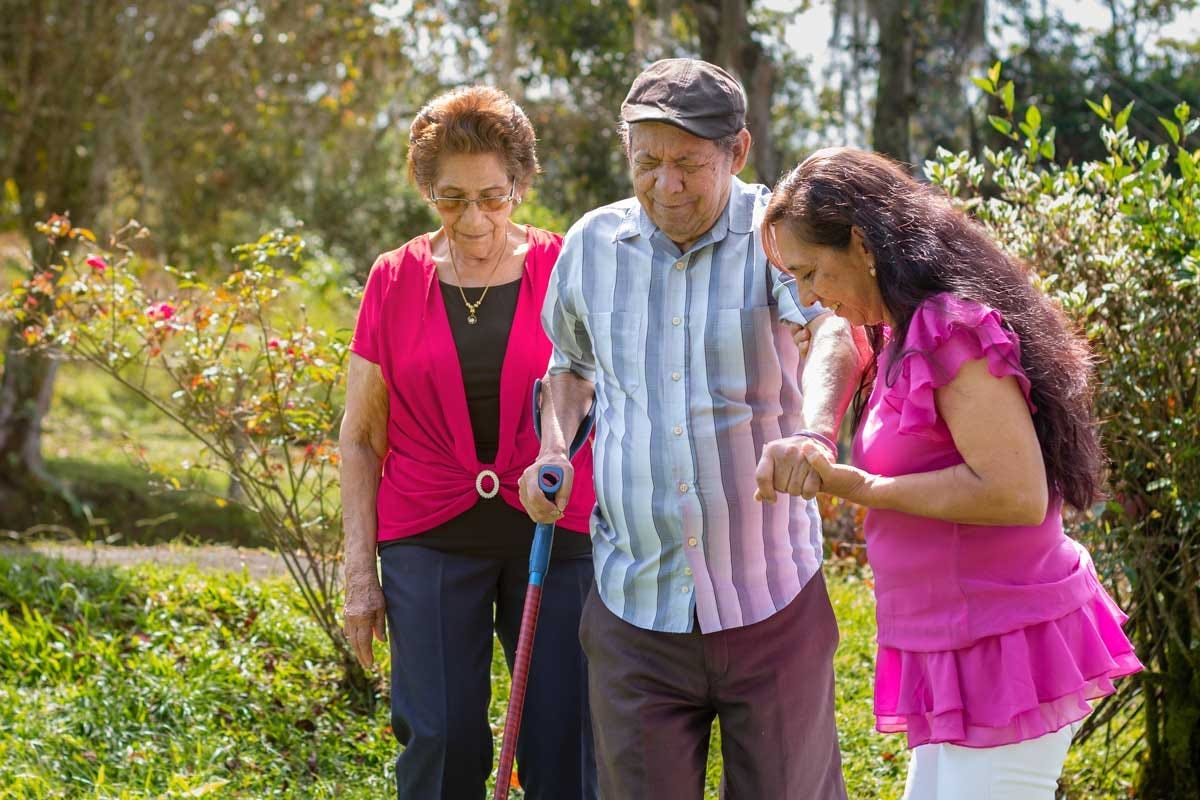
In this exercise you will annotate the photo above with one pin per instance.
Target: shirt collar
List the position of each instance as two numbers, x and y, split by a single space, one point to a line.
635 223
742 199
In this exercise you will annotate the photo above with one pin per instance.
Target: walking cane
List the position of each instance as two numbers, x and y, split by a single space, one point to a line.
549 481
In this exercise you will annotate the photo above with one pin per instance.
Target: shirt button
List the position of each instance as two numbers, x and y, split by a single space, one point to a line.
683 487
676 321
687 570
680 265
679 430
675 376
685 589
692 542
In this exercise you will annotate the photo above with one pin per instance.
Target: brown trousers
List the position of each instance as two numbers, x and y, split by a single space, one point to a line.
654 696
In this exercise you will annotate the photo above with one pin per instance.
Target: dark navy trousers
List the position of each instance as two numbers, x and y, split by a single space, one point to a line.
442 609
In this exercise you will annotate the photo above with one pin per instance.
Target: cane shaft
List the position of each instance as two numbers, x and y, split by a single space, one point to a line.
516 695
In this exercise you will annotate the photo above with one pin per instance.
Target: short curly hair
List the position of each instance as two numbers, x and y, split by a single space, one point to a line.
472 119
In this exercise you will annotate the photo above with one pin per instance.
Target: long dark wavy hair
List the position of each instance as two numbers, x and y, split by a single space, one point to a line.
923 245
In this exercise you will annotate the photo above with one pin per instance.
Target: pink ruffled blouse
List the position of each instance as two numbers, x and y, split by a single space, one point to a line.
988 634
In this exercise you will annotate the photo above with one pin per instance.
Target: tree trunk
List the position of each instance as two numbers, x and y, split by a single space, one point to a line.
725 39
760 92
894 98
25 391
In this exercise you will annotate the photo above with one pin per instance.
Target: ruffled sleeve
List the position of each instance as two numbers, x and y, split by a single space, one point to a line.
947 331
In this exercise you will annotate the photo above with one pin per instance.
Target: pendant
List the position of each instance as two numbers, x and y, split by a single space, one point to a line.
472 319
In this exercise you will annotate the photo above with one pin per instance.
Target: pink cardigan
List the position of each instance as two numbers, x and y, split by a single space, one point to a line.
431 470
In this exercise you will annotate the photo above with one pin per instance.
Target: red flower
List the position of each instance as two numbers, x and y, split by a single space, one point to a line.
273 343
97 263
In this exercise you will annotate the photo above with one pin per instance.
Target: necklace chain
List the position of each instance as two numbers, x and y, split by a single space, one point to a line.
472 317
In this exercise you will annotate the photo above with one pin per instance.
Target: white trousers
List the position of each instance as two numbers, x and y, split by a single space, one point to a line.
1023 771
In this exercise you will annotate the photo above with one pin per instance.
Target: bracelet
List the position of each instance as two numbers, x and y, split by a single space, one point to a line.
822 438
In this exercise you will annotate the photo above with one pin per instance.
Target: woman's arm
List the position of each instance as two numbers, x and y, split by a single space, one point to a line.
829 374
363 444
1003 479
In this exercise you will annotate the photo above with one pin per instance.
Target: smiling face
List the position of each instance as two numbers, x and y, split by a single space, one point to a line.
681 180
474 232
838 278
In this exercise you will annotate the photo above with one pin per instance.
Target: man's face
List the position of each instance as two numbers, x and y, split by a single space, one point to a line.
681 180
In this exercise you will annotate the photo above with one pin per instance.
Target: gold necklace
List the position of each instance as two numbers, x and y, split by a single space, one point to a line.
472 317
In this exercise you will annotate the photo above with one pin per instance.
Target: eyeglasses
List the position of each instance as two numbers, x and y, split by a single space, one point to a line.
457 205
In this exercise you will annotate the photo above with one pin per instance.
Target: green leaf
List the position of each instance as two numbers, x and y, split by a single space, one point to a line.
1096 107
1182 111
985 84
1047 149
1123 117
1108 104
994 73
1187 164
1000 124
1172 129
1007 94
1033 117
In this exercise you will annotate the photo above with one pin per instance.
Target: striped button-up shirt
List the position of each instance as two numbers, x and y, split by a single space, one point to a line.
693 374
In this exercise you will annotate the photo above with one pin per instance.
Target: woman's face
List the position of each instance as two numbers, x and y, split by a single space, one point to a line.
474 231
839 279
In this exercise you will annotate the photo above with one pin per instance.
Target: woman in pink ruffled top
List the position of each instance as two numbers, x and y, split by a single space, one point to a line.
994 630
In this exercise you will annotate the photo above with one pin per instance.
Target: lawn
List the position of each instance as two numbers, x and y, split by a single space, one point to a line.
155 682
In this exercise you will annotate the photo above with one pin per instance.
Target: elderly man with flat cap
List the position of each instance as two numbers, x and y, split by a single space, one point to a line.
708 603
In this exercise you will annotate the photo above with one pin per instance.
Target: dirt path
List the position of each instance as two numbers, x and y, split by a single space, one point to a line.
215 558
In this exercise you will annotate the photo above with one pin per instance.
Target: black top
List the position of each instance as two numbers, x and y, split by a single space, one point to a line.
491 528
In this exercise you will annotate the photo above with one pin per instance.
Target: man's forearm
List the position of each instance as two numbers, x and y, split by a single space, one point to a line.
830 375
360 474
566 398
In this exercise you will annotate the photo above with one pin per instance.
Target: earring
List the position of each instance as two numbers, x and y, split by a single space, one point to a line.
871 271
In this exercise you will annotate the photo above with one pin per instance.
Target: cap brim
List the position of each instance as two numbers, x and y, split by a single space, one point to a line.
703 127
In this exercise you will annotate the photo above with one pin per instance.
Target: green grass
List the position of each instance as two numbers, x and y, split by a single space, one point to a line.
126 485
151 682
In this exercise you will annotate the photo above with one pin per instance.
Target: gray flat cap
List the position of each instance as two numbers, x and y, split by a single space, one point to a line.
699 97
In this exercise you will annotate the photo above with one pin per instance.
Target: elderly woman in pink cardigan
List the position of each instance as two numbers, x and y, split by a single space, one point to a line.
437 431
994 631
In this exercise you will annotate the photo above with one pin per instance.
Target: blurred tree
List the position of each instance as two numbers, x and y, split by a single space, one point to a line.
209 120
59 65
1061 63
921 55
571 63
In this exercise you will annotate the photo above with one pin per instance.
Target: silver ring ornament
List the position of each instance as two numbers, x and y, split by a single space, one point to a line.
490 493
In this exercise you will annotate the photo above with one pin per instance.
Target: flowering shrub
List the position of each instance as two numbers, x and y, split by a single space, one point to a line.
256 386
1117 243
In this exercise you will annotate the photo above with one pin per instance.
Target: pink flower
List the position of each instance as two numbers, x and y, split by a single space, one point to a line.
97 263
162 311
273 343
